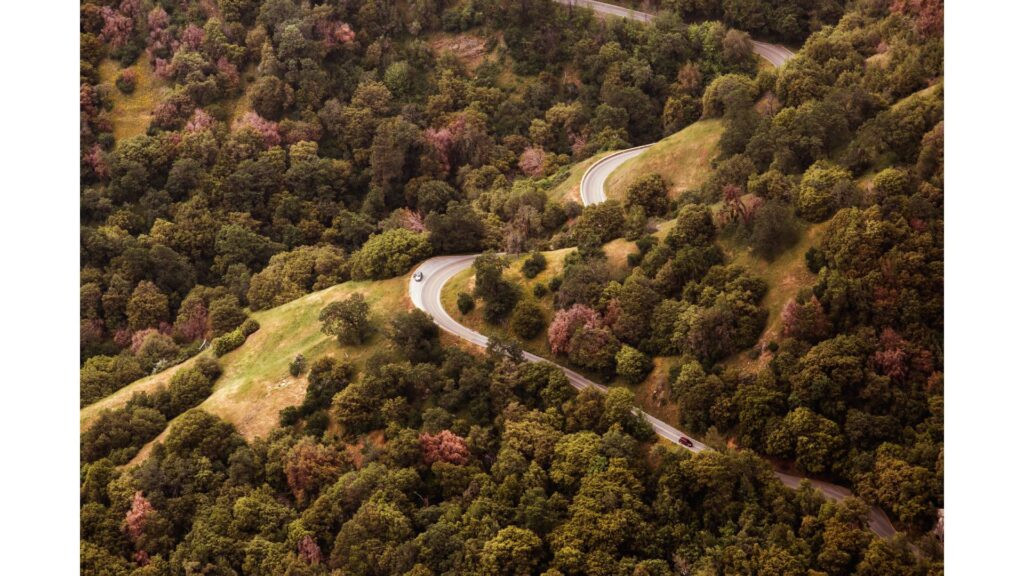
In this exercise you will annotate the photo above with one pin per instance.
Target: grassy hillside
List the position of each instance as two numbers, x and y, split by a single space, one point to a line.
785 275
652 395
256 383
569 188
463 282
683 160
132 112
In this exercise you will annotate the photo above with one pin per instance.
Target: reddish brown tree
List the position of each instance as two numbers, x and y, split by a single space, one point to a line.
117 27
445 446
805 321
309 550
891 358
531 161
137 517
193 320
309 466
200 122
926 14
735 208
192 37
567 322
265 128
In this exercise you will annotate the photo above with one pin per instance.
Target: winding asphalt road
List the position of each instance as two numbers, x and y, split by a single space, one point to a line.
773 53
426 294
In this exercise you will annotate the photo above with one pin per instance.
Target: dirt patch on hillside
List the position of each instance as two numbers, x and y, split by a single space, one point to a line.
470 49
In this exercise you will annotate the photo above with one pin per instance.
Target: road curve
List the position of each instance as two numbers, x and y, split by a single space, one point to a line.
592 183
773 53
426 294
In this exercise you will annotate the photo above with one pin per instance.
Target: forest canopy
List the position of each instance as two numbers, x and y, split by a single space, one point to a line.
787 309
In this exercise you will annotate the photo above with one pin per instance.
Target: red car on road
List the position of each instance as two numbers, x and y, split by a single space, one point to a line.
686 441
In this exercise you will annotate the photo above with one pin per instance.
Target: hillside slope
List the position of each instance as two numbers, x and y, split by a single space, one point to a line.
256 383
683 160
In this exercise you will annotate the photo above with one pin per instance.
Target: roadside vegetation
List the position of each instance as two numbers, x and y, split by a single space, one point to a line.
259 177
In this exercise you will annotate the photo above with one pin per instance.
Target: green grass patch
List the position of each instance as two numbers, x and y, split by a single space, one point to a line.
683 160
256 383
464 281
785 275
569 187
132 112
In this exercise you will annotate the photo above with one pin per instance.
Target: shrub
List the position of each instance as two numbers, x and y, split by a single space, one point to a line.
118 434
465 303
534 265
291 274
540 290
228 342
297 365
416 336
289 416
209 367
249 327
157 351
188 388
126 81
726 88
527 319
694 227
815 259
499 295
102 375
636 223
601 221
317 423
327 377
555 283
645 243
594 348
774 229
632 364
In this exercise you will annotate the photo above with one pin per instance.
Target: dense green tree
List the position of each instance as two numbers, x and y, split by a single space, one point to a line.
360 125
603 221
527 319
327 377
632 364
101 375
188 388
389 254
693 227
824 189
534 264
225 314
499 294
348 320
416 336
147 307
774 229
813 441
459 229
513 551
649 192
